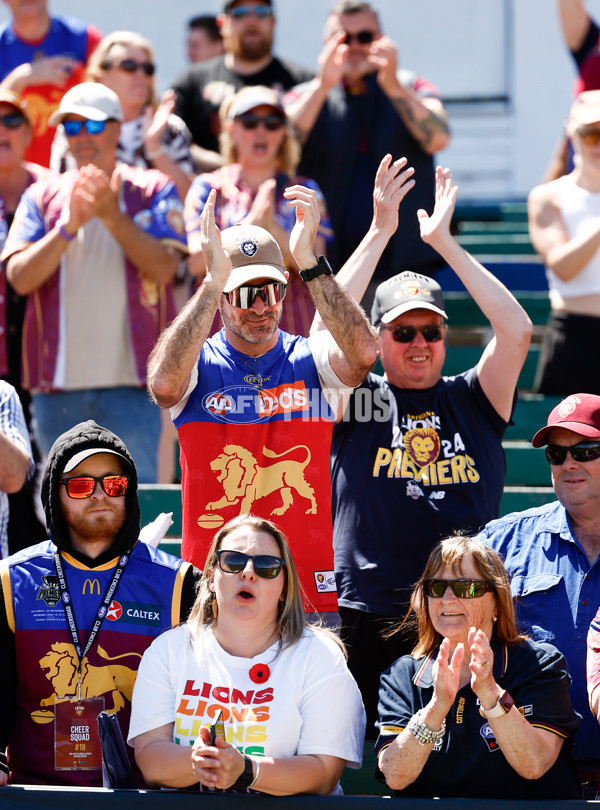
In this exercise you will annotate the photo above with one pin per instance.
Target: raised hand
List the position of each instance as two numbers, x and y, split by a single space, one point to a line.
304 232
332 60
436 228
391 187
383 55
155 122
481 665
262 211
218 263
446 675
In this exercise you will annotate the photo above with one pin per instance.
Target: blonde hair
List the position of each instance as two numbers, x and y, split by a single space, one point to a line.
290 619
288 156
96 67
451 553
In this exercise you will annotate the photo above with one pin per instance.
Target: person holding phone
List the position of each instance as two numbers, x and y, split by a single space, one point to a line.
478 710
292 713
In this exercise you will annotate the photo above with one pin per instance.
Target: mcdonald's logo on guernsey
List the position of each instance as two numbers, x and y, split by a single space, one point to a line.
93 585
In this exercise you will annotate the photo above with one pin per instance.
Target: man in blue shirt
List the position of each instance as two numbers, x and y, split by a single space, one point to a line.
551 553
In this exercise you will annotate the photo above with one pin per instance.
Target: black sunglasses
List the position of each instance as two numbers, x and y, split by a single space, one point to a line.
461 588
586 451
83 486
266 566
406 334
131 66
272 122
363 37
243 297
12 120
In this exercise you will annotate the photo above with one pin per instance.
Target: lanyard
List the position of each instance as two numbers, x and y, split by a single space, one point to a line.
100 613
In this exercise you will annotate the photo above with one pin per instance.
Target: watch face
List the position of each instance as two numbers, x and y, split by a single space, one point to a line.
506 702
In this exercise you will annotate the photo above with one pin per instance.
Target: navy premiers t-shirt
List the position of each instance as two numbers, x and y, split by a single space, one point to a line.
409 467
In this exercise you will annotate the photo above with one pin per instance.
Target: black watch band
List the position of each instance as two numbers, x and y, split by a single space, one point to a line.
321 268
247 777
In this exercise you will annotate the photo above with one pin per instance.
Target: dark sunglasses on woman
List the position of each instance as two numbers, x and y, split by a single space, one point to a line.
461 588
131 66
272 122
265 566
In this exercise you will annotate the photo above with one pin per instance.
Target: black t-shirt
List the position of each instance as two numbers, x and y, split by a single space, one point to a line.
202 87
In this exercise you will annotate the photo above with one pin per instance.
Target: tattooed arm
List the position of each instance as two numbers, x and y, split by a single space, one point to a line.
425 118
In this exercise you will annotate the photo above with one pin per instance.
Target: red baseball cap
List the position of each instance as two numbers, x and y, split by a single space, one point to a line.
578 412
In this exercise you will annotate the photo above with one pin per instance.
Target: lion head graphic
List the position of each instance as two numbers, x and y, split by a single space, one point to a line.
422 445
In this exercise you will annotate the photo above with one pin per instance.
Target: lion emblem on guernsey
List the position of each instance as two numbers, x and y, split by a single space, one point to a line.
60 663
422 445
244 481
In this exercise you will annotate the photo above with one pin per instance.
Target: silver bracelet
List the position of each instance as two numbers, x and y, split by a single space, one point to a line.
257 774
157 153
422 732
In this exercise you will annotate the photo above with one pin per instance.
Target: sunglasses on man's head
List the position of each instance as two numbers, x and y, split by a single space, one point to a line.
131 66
461 588
91 127
266 566
272 122
591 137
363 37
585 451
12 120
406 334
241 12
83 486
243 297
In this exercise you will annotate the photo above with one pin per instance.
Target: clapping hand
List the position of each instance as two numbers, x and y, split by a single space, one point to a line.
436 227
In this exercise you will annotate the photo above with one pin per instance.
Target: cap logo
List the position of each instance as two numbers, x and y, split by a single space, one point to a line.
567 406
249 247
411 289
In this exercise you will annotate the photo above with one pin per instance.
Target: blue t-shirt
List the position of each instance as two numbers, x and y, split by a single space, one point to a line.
409 467
557 594
468 762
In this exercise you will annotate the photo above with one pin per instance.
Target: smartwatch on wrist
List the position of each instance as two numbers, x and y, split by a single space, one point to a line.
246 779
321 268
502 707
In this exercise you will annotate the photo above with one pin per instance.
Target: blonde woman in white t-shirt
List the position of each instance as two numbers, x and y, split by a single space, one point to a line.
292 713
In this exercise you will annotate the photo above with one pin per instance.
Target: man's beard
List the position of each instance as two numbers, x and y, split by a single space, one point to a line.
254 50
252 334
101 527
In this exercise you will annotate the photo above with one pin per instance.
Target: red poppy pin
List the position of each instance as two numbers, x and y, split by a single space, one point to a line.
260 673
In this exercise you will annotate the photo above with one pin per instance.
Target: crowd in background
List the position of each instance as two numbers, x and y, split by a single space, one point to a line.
112 201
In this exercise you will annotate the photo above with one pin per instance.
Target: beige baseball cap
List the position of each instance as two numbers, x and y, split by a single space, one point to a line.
254 254
585 109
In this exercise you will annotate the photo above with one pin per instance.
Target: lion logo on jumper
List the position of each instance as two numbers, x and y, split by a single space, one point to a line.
422 445
60 665
244 481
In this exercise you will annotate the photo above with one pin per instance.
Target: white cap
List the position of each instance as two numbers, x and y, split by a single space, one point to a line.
92 451
91 100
